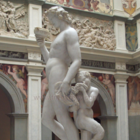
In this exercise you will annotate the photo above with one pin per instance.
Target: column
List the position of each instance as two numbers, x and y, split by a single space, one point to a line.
34 96
119 28
138 32
118 8
138 6
35 18
121 106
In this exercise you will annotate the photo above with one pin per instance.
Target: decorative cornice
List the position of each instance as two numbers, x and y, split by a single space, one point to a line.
99 64
34 70
38 2
12 54
121 77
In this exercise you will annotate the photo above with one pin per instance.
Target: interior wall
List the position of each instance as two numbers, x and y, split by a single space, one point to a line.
4 119
134 127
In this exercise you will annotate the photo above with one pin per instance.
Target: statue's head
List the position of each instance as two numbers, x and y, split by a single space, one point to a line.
57 14
11 4
83 77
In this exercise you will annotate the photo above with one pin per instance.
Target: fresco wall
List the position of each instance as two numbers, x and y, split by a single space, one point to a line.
100 6
129 6
18 74
133 96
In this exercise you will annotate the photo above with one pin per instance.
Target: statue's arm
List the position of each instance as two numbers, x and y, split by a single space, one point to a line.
73 48
89 100
43 49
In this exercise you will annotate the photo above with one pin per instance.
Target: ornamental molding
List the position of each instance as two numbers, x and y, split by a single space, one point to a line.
34 56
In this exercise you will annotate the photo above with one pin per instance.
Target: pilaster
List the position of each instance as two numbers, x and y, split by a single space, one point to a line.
138 32
35 18
121 106
138 4
34 101
118 8
119 28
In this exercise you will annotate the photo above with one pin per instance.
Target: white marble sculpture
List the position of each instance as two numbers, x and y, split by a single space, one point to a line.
80 101
64 53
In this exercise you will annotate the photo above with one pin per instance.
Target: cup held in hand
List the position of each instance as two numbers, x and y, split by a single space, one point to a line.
41 32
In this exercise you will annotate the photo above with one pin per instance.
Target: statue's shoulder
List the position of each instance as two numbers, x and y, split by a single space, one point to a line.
94 89
71 32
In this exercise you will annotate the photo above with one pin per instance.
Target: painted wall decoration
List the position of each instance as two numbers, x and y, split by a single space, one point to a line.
134 95
129 6
44 86
92 32
109 83
131 37
101 6
13 19
19 75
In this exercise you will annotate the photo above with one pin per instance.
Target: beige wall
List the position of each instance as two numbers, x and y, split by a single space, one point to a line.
4 120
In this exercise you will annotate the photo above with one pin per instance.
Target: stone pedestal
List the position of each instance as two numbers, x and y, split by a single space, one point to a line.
34 101
35 18
119 28
121 107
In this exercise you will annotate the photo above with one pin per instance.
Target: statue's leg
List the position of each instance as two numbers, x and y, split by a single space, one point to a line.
61 110
92 126
48 115
85 135
64 118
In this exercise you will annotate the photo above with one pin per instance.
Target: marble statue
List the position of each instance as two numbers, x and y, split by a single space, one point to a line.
62 97
64 52
80 101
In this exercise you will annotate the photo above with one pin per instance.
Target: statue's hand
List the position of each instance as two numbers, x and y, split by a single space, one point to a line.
40 40
65 88
80 87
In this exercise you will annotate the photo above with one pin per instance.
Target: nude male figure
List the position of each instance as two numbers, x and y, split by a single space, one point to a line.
64 51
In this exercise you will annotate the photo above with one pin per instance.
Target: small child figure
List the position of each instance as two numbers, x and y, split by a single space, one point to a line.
83 117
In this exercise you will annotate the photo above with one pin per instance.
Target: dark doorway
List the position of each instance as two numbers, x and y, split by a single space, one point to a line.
4 119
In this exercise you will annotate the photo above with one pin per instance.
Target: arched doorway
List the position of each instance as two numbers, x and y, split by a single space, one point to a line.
5 109
14 108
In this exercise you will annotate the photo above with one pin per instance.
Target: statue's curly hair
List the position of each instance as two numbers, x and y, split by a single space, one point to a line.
82 74
60 13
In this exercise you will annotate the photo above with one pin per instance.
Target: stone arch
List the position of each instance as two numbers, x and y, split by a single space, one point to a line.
13 93
104 99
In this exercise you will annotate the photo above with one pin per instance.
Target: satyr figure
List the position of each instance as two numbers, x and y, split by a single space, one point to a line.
64 53
83 117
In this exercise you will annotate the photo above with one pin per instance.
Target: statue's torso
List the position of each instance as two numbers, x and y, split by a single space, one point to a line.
59 49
